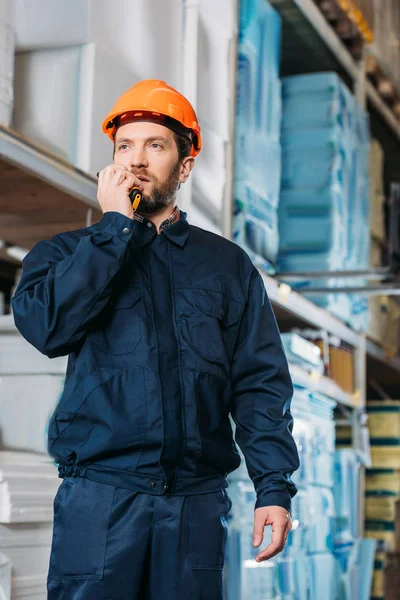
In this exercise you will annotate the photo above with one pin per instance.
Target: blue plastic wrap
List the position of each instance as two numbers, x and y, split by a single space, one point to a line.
324 203
258 125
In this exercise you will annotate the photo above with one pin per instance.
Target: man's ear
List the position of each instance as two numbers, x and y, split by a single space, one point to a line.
186 167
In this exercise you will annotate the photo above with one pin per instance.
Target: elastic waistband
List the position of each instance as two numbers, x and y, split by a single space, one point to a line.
145 484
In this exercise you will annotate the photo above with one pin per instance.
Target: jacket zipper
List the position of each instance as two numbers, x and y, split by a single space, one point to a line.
183 428
164 479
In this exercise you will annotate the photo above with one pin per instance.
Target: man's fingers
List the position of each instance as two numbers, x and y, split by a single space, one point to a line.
288 528
277 543
112 171
259 524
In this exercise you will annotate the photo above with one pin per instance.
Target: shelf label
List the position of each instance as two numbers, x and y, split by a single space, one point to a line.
284 292
315 376
356 397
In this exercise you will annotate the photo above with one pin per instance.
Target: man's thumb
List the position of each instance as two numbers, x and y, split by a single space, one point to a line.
258 531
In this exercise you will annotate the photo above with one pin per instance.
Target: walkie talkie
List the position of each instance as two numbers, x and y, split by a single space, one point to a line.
135 195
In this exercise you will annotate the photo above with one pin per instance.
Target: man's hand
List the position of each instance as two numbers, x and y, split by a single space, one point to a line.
281 523
115 183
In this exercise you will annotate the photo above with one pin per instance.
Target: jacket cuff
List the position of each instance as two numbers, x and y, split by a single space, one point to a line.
282 499
114 223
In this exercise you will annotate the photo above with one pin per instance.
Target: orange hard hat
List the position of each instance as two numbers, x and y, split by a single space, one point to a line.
154 100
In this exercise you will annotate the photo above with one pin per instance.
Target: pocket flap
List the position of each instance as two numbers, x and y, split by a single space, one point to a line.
216 304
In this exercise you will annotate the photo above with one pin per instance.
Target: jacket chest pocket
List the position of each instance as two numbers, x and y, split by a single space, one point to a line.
216 321
120 330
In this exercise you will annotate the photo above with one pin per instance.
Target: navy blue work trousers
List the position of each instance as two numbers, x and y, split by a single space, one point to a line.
111 543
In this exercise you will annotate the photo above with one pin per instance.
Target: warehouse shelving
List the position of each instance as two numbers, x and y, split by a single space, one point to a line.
41 194
62 175
377 353
306 312
324 385
310 28
383 110
324 49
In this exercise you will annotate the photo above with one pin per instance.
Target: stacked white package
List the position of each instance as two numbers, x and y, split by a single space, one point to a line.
30 386
5 577
26 403
27 546
28 484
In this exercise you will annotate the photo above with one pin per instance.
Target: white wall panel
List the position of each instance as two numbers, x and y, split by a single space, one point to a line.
144 34
6 62
51 23
216 35
46 96
102 79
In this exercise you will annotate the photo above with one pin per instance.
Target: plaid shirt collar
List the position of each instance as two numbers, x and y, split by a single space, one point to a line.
173 218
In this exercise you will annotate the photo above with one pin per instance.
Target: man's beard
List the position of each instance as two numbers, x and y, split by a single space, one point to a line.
162 194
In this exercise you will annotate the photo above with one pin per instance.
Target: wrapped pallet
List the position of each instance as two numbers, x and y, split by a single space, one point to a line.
383 482
384 428
384 419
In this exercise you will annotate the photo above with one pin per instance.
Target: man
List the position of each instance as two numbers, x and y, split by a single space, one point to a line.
168 329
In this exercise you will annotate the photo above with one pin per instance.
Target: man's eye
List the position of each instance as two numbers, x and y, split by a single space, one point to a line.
122 146
156 144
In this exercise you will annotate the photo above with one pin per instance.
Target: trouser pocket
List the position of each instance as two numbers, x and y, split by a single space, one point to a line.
82 511
208 530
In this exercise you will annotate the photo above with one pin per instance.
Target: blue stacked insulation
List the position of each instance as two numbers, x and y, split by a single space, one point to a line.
306 568
258 121
324 203
354 555
314 432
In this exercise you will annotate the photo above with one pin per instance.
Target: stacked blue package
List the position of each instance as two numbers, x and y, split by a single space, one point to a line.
293 574
258 123
354 555
323 557
324 201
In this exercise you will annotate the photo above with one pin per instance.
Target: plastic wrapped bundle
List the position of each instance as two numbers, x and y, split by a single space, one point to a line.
258 123
323 581
5 577
303 352
384 426
323 209
384 418
383 482
380 508
346 494
323 439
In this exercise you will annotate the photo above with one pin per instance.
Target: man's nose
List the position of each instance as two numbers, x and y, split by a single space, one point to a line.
139 158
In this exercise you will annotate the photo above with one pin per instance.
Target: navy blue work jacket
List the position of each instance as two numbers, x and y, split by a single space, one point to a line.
166 334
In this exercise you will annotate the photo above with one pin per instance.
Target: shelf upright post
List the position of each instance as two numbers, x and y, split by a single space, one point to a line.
229 188
360 88
357 420
190 72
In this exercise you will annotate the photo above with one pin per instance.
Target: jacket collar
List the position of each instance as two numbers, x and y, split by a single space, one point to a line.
177 233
